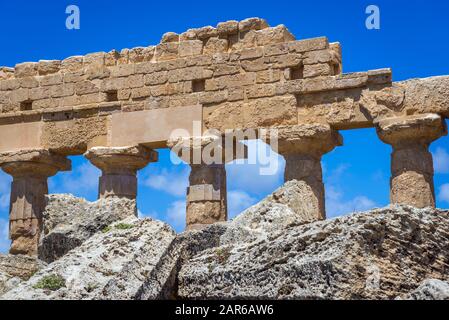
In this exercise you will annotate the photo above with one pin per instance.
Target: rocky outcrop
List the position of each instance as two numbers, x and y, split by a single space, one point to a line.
17 268
431 289
285 207
273 250
69 221
380 254
122 262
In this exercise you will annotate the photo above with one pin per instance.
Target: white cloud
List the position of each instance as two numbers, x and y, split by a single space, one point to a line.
336 204
175 215
239 201
441 160
173 182
5 185
81 181
443 195
262 176
4 241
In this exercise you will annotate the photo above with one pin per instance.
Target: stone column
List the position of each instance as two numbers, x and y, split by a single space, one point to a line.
411 162
119 166
207 193
30 170
302 147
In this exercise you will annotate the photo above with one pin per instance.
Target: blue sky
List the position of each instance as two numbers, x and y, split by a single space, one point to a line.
413 41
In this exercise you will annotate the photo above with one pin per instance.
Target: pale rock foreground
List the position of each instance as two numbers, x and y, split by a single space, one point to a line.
122 262
275 249
17 268
69 221
431 289
380 254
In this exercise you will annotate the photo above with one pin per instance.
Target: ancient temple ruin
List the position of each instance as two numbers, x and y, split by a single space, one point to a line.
117 107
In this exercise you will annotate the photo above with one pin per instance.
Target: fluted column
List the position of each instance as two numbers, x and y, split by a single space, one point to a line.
30 170
411 162
207 193
302 147
119 166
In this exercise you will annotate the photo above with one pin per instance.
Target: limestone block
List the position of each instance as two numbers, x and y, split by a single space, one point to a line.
228 28
191 73
75 76
156 78
317 70
86 87
276 49
72 64
273 35
315 44
71 137
51 80
26 69
166 51
215 45
45 67
97 58
226 69
122 70
111 58
206 32
250 53
9 84
266 112
252 24
170 37
28 82
190 48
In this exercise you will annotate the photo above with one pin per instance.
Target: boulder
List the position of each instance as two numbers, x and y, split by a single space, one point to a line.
121 262
69 221
17 268
284 208
380 254
431 289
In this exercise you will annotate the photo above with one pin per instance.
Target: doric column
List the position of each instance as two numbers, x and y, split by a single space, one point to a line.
207 193
411 162
30 170
302 147
119 166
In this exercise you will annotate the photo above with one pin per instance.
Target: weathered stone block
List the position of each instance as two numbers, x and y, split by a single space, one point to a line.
190 48
26 69
45 67
51 80
316 70
156 78
72 64
191 73
166 51
215 45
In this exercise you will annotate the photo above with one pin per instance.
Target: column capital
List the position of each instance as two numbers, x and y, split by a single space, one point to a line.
121 159
33 163
411 130
30 170
412 171
308 139
212 149
119 166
